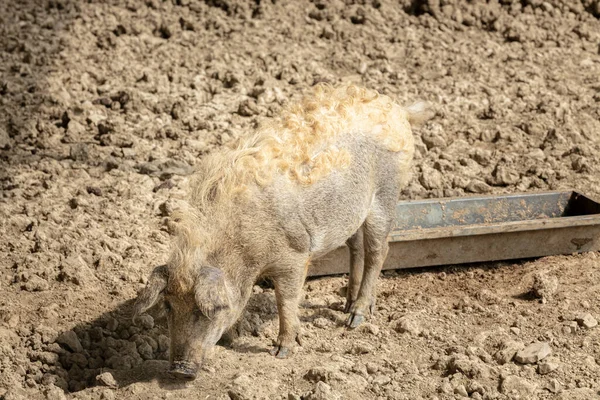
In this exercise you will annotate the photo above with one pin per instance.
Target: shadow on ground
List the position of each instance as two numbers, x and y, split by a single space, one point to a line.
117 350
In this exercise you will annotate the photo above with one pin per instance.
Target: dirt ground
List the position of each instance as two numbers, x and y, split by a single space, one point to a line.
106 106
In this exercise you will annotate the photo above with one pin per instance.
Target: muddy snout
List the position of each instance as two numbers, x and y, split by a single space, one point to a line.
183 370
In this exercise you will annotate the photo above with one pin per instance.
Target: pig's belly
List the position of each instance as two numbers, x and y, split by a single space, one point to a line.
335 234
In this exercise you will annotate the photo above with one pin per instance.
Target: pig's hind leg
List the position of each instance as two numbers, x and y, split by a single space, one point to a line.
357 261
288 289
375 231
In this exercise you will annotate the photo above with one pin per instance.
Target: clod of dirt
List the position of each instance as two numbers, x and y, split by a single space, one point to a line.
55 393
35 284
431 178
369 328
361 348
248 108
553 386
477 186
544 285
578 394
470 367
106 379
508 351
586 320
548 365
322 323
323 391
144 321
533 353
70 340
96 191
241 388
461 391
517 388
324 374
408 325
4 139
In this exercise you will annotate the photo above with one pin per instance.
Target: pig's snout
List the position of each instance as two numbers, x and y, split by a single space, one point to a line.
183 370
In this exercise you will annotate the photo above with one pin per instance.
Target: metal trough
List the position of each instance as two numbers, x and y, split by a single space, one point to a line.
483 228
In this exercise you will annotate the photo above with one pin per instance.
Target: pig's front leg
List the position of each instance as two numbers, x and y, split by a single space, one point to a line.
288 288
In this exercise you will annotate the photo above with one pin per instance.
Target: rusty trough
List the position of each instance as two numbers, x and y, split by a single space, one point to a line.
483 228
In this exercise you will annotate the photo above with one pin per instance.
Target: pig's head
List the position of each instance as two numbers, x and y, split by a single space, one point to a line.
198 313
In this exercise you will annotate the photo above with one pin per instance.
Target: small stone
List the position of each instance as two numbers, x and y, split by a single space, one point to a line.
547 366
461 391
586 320
106 379
518 388
533 353
515 330
70 340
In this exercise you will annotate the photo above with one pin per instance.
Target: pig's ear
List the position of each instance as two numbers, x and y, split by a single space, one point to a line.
149 295
212 291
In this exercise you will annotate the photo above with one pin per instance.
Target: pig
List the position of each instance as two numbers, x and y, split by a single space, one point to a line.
327 172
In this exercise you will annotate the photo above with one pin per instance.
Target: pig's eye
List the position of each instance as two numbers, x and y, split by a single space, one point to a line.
168 306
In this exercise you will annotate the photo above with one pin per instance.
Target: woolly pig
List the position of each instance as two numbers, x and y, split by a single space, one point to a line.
328 171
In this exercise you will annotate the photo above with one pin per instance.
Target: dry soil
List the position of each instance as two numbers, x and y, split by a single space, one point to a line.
106 106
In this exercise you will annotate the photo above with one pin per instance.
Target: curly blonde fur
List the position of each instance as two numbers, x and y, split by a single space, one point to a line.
300 144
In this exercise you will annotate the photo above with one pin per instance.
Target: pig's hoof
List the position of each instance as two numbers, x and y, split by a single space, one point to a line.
280 352
183 370
355 320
